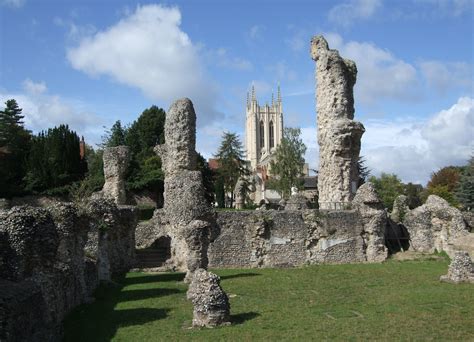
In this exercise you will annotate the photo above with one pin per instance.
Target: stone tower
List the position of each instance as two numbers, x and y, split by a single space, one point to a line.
338 134
263 128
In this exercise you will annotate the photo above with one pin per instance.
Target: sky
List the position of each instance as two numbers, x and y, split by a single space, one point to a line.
89 63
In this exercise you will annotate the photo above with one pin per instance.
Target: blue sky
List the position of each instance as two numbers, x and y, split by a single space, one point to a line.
90 63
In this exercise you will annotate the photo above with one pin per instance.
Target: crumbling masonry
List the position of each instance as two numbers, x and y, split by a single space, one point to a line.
338 134
186 216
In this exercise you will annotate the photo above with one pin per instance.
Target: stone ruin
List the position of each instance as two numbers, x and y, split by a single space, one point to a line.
338 134
53 258
211 304
434 226
461 269
116 160
186 217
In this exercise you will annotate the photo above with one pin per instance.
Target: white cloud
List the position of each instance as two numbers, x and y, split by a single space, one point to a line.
222 59
443 76
346 13
413 149
12 3
43 111
34 88
148 50
380 75
448 7
256 32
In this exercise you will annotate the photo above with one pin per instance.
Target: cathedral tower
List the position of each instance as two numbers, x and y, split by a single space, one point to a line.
263 129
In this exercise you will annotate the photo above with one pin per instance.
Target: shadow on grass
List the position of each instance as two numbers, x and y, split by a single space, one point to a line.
243 317
178 276
239 275
130 295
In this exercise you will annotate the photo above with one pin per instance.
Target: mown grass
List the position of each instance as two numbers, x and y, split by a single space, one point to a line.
390 301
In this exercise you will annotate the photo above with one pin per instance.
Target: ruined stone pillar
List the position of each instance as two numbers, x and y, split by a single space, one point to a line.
338 134
116 160
186 212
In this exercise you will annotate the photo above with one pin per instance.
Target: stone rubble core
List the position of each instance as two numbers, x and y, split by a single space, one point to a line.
434 226
461 269
211 304
400 209
338 134
288 238
116 160
53 258
186 216
297 201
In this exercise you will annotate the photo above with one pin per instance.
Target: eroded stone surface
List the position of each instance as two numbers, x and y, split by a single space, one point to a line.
297 201
461 269
374 219
400 209
116 160
338 135
46 268
434 226
186 216
211 304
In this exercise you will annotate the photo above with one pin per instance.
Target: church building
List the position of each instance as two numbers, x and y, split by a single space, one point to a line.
263 133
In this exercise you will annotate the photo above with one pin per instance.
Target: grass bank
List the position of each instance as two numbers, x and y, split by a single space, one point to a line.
391 301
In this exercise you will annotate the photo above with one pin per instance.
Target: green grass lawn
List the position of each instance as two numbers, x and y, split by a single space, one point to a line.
390 301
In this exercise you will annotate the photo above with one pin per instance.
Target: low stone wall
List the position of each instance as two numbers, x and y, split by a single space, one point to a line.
44 269
288 238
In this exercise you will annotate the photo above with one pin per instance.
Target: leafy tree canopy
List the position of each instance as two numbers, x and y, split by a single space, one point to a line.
388 187
287 165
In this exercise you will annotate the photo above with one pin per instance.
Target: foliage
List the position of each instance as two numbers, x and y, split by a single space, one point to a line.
465 191
413 193
115 136
363 171
388 187
283 305
141 137
14 148
94 179
219 192
443 184
288 163
54 160
208 176
232 165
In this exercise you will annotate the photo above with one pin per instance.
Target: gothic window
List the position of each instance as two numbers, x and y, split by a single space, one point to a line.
262 135
272 135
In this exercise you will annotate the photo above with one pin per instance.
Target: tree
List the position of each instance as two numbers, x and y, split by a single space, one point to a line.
54 160
443 184
232 165
465 191
14 148
94 178
363 170
207 178
287 165
413 193
141 137
388 187
115 136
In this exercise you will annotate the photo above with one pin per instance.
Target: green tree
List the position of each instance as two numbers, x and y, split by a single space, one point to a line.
413 193
443 183
232 165
14 148
141 137
115 136
363 170
465 191
287 166
388 187
54 160
94 178
208 177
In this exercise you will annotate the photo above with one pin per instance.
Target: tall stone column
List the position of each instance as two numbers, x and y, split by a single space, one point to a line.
116 160
338 134
186 212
